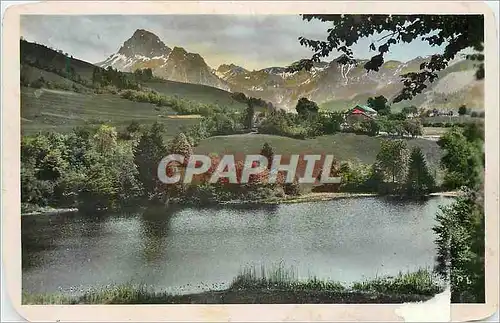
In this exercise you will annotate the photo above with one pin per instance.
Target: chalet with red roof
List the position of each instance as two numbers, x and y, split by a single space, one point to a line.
360 113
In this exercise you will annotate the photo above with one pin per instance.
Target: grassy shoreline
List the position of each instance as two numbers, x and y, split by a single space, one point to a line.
277 286
44 210
254 296
317 197
305 198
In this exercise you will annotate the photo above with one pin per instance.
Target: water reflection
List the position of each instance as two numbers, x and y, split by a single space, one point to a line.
243 208
40 234
91 225
180 249
154 227
401 201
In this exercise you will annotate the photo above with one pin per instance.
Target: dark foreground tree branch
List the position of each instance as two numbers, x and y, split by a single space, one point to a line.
458 31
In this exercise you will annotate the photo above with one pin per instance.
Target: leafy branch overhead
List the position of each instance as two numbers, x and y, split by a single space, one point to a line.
457 31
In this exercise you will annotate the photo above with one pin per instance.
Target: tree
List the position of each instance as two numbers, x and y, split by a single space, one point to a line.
97 75
249 115
149 152
461 160
460 228
143 74
462 110
336 170
133 127
409 110
412 128
397 116
474 132
148 73
180 145
419 180
268 152
292 189
379 104
375 178
99 187
331 122
105 139
240 97
392 159
458 32
305 107
460 241
221 124
371 127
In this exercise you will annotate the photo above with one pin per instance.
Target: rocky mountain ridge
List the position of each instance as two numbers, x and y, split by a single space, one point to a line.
331 84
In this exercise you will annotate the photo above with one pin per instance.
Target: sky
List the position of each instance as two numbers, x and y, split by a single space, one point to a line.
251 41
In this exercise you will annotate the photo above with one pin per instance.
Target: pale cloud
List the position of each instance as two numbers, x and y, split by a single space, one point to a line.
253 42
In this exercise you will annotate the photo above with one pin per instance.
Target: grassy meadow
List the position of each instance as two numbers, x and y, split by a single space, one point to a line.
344 146
61 111
196 92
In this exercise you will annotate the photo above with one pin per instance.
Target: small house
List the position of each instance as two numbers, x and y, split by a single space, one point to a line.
360 113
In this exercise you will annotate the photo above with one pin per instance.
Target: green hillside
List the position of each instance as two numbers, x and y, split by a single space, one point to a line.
30 74
60 100
195 92
43 109
40 61
344 146
343 105
47 58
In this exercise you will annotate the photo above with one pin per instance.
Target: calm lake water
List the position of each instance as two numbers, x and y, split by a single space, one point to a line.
190 250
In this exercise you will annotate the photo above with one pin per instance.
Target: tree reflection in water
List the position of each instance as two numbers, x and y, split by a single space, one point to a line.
155 224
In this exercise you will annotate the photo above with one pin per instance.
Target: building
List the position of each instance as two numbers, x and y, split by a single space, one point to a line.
360 113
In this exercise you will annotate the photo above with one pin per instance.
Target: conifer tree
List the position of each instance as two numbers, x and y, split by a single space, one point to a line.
419 180
268 152
148 154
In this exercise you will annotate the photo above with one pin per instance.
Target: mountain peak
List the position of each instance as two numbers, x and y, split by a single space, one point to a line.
143 33
144 43
179 50
224 68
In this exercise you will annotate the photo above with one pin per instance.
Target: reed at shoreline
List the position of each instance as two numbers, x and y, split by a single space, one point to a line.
277 285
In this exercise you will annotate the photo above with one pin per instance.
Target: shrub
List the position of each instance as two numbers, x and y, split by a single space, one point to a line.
292 189
330 123
421 282
412 128
462 110
222 124
38 83
370 127
306 107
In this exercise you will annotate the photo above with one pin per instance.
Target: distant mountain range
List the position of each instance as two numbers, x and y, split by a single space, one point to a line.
332 85
145 50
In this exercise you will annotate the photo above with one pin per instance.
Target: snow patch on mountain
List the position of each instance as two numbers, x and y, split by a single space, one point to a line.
344 70
455 82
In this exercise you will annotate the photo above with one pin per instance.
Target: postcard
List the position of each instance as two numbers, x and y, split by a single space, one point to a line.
250 161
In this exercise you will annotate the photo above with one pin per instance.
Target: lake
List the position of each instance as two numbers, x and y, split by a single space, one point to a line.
190 250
